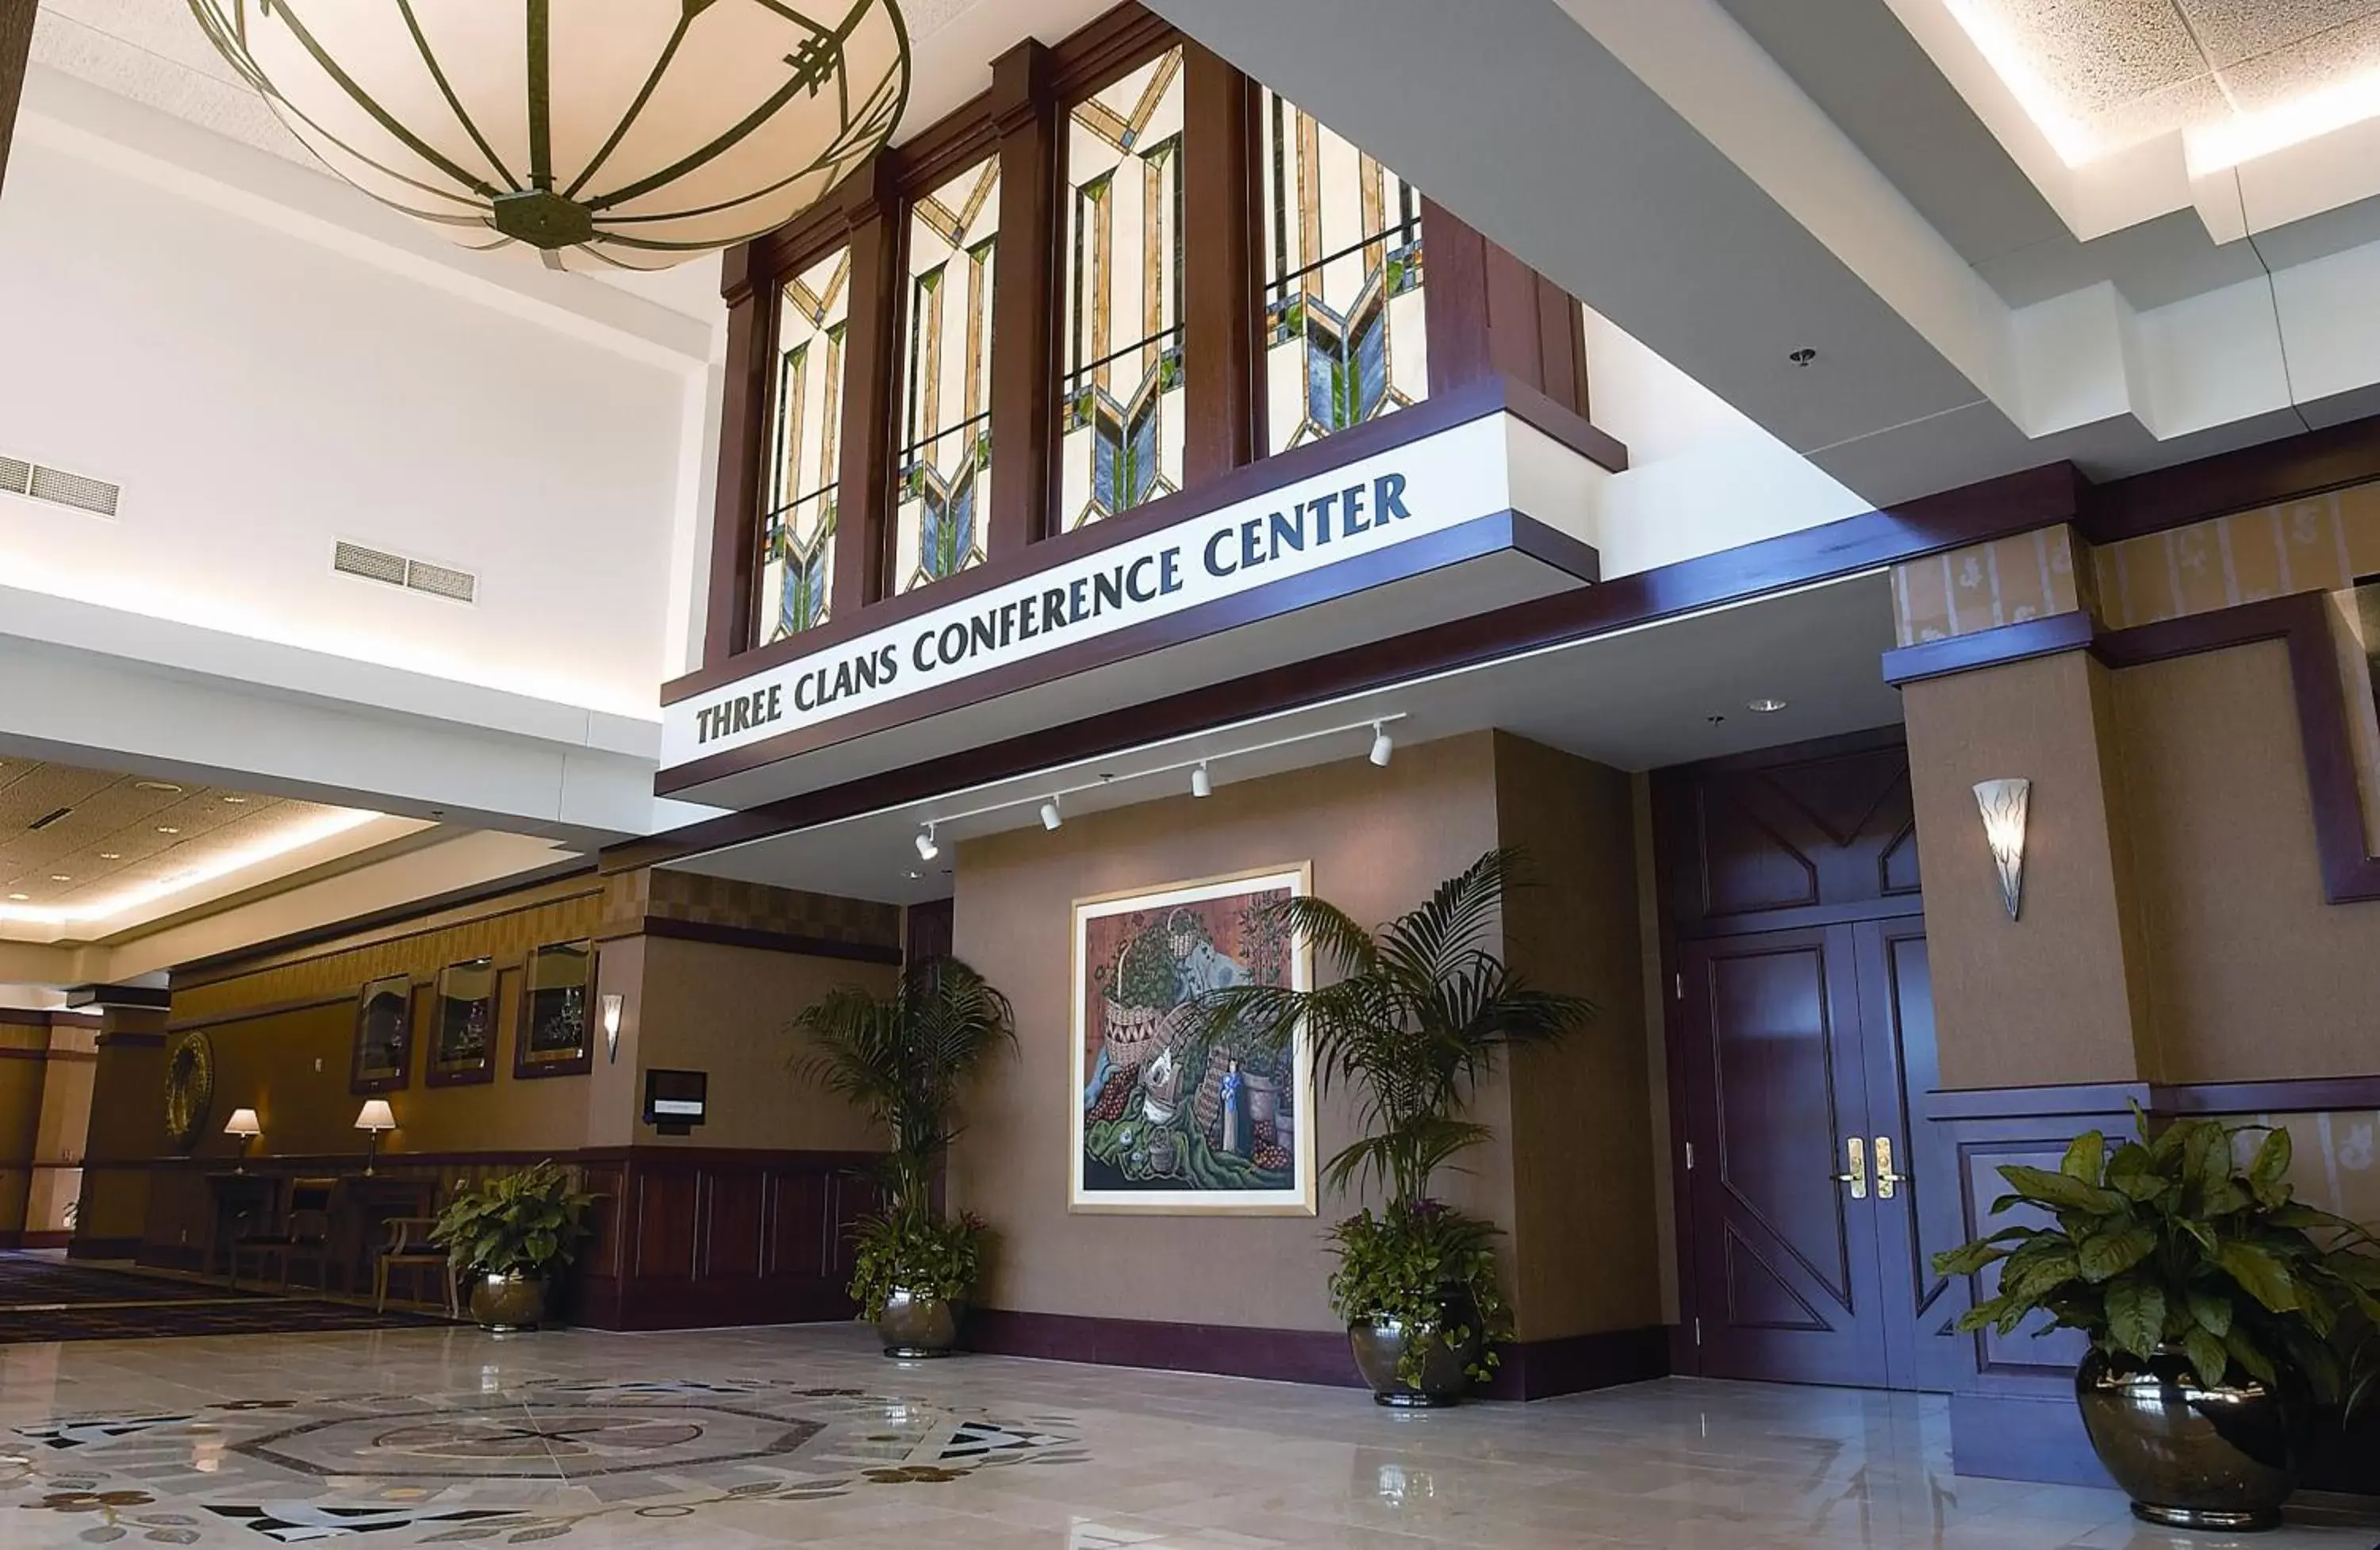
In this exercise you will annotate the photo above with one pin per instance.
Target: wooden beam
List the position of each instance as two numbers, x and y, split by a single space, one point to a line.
1221 300
15 46
1491 315
1024 357
735 506
864 482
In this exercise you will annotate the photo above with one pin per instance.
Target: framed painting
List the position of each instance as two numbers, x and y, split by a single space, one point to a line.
463 1046
554 1037
384 1055
1167 1118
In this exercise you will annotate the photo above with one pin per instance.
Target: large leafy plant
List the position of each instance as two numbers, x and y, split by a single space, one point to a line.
902 1060
527 1222
2168 1242
1415 1017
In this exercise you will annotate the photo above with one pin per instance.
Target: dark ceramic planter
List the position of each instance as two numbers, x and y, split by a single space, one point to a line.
1380 1344
917 1324
508 1304
2188 1455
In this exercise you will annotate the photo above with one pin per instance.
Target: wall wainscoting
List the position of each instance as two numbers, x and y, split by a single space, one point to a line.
1526 1369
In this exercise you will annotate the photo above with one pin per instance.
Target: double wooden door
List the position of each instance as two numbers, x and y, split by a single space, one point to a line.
1814 1192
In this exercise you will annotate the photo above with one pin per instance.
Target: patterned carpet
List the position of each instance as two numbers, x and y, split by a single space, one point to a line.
40 1279
44 1299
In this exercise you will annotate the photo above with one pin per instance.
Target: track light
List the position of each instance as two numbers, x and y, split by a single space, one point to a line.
1384 747
926 849
1201 783
1050 817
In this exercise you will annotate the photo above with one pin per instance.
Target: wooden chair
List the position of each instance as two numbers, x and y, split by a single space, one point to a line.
304 1236
408 1248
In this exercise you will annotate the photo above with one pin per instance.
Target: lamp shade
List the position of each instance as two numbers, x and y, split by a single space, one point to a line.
606 133
243 1122
376 1116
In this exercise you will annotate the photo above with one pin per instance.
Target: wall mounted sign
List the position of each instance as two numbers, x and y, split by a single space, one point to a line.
1350 512
1170 1117
383 1054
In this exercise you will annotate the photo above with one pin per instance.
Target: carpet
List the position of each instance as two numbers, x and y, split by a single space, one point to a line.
37 1278
247 1315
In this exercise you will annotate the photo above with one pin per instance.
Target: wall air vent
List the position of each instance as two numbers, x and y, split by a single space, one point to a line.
396 570
19 477
47 819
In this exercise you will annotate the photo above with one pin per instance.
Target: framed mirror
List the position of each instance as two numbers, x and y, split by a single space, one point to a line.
464 1047
383 1054
555 1037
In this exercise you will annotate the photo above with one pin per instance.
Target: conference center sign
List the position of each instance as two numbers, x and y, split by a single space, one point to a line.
1350 515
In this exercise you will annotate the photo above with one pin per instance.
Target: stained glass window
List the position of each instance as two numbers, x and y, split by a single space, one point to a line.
1121 399
944 464
1344 340
797 531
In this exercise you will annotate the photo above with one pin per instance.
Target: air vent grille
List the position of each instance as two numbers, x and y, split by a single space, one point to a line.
21 477
396 570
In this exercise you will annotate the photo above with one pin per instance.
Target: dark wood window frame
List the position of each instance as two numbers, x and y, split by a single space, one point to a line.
1488 315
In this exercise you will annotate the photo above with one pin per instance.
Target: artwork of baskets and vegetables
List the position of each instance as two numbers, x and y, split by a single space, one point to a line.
1176 1113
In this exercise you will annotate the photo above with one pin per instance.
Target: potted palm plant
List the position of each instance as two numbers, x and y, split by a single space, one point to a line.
511 1235
2213 1302
1415 1020
902 1060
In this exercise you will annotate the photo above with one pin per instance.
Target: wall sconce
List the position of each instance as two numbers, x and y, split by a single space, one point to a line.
2003 804
244 1125
613 1004
375 1117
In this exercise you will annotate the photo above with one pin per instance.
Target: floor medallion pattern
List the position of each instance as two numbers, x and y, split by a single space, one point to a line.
541 1461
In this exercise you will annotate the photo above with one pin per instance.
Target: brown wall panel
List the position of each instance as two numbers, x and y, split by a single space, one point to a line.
2252 975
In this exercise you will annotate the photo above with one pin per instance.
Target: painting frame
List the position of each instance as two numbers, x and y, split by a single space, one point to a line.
382 1058
530 1062
451 1061
1090 1196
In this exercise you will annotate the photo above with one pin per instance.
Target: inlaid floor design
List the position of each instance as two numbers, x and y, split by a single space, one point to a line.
732 1439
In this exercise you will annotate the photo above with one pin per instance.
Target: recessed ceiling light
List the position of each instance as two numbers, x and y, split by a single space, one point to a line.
168 829
61 877
1768 705
155 785
1803 357
111 855
20 896
237 801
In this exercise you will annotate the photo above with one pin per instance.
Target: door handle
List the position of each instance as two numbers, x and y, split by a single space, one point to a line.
1855 1153
1885 1178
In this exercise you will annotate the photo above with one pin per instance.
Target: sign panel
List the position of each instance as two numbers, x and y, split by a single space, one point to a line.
1360 508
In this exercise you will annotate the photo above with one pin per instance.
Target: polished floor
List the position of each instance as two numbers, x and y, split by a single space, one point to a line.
743 1438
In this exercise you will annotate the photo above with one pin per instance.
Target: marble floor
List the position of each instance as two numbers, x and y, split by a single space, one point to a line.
806 1437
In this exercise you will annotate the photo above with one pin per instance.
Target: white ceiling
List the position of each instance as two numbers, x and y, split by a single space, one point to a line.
1660 694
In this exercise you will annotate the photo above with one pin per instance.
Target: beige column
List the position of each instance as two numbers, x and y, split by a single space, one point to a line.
2059 995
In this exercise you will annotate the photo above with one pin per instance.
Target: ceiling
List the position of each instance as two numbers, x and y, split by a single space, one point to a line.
87 854
1639 699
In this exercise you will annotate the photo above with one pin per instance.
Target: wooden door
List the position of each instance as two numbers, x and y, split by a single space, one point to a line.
1787 1273
1920 1218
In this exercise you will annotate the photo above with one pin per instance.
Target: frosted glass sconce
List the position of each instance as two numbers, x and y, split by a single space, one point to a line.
2003 804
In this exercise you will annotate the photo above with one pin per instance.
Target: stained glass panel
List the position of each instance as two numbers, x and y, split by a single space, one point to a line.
944 465
798 528
1121 398
1344 339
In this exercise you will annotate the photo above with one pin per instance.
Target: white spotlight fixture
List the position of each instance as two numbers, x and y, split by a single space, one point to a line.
1201 783
1050 817
1766 705
926 849
2004 804
1384 747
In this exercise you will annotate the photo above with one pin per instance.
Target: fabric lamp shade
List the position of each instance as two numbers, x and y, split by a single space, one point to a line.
376 1116
603 133
243 1122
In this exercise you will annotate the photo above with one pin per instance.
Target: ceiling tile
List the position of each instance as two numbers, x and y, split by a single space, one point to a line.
2230 31
2308 65
2096 54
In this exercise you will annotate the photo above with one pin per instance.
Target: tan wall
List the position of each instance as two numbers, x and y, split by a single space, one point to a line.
727 1010
2057 996
1585 1243
1378 839
2252 974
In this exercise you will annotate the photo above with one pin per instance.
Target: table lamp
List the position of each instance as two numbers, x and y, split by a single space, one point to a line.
375 1117
242 1125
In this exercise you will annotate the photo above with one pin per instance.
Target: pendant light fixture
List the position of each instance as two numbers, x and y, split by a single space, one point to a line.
605 134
